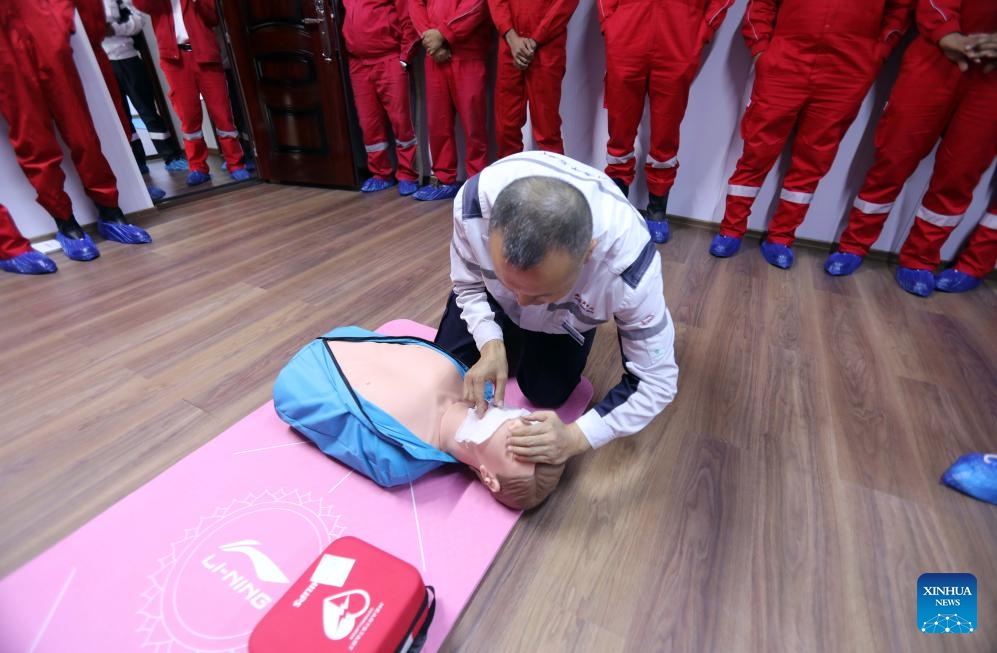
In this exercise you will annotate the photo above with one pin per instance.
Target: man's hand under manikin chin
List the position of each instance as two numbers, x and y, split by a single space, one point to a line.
542 437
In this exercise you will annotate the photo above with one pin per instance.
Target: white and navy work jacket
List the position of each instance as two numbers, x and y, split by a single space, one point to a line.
621 282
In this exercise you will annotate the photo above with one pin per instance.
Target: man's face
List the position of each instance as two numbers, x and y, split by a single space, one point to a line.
546 282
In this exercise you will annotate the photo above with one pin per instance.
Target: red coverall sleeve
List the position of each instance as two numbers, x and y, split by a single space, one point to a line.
896 20
418 16
406 27
716 11
64 14
466 18
759 22
207 10
93 17
153 7
501 15
554 21
606 9
939 18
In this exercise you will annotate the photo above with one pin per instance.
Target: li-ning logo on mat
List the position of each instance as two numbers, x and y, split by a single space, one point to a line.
264 568
210 585
946 603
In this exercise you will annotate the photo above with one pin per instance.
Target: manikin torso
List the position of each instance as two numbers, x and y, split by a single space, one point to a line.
422 389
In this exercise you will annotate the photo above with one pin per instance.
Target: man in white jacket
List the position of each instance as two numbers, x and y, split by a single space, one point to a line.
544 250
124 23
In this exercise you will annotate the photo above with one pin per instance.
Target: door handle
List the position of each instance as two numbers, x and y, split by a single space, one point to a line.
323 29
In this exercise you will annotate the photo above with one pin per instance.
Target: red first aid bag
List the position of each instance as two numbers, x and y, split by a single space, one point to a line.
354 598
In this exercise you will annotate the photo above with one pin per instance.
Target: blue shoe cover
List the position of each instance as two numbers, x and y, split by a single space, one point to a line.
155 193
224 166
30 262
240 175
128 234
916 282
406 187
658 229
841 264
724 246
436 191
78 249
974 474
196 177
178 165
375 184
781 256
953 280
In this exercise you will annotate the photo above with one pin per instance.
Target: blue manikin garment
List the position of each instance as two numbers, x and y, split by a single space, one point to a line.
312 395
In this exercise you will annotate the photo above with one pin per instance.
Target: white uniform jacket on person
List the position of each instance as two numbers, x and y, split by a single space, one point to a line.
120 46
621 282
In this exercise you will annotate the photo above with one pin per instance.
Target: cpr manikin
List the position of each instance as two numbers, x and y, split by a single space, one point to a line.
422 389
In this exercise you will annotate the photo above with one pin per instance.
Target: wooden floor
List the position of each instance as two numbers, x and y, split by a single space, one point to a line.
788 500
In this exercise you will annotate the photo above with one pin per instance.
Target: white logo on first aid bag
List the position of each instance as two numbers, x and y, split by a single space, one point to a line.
338 619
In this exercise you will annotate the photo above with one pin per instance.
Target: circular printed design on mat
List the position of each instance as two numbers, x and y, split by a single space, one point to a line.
222 576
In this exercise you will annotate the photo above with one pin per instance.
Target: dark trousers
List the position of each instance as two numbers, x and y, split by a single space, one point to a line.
133 78
547 366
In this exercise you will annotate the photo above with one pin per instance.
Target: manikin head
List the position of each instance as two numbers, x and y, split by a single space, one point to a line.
422 389
540 236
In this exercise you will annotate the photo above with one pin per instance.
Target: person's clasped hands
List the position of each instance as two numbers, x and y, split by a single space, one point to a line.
974 49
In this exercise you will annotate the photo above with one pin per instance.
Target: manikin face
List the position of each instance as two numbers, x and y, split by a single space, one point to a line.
548 281
489 459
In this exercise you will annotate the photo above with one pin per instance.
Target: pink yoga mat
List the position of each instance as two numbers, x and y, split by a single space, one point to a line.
190 562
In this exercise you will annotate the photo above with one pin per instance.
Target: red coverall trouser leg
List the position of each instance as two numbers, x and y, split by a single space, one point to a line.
381 93
811 86
649 53
980 255
458 84
189 80
39 84
921 104
540 85
966 151
12 243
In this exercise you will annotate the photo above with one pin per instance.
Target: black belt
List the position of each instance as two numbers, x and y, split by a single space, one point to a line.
186 47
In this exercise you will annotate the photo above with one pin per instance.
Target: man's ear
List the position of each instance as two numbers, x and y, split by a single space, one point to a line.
490 480
588 254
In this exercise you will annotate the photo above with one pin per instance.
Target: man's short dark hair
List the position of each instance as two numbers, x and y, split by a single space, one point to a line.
539 214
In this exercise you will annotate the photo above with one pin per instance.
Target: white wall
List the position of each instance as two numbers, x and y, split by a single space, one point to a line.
19 196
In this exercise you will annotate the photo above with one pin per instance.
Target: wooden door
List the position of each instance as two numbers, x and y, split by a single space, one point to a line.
287 57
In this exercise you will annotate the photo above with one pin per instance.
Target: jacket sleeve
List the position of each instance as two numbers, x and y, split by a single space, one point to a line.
759 23
465 20
939 18
606 9
63 10
469 284
896 21
501 16
153 7
716 11
555 21
207 10
418 16
409 35
650 381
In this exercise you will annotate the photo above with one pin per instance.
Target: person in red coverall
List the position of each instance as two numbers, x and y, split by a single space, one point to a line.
941 89
39 86
192 63
457 38
16 254
379 43
531 65
814 63
652 49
